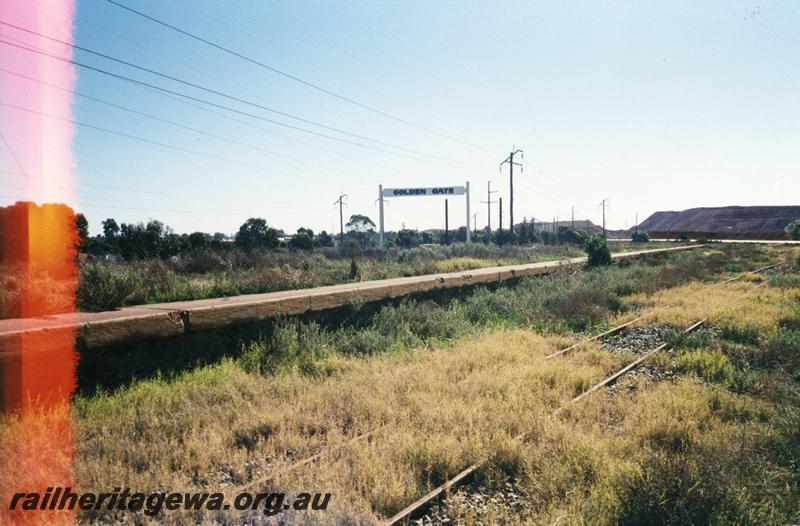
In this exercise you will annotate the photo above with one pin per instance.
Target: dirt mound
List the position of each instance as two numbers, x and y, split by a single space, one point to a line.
727 222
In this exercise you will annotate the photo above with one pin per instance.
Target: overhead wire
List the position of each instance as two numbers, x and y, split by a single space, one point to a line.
166 145
176 124
219 93
228 108
294 77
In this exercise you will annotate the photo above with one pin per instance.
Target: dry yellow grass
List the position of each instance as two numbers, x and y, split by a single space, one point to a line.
602 462
736 304
443 411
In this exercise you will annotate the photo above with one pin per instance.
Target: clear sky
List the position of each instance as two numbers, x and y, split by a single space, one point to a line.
654 105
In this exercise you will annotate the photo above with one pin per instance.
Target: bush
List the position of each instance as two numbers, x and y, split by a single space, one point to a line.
640 236
583 307
712 366
793 230
104 287
597 250
292 345
568 235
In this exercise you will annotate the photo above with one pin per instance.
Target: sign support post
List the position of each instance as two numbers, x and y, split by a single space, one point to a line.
380 219
469 238
439 191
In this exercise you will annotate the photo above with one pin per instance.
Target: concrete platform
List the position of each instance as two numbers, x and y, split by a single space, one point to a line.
145 322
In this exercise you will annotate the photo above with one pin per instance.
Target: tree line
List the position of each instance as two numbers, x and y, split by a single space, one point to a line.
154 239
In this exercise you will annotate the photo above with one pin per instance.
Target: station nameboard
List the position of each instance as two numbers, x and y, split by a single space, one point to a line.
439 190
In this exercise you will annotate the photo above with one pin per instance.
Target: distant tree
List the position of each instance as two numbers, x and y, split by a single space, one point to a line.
302 240
198 240
154 239
793 230
597 251
360 223
324 239
255 234
461 234
548 238
110 229
640 236
219 236
505 237
361 229
82 230
407 238
172 244
568 235
526 233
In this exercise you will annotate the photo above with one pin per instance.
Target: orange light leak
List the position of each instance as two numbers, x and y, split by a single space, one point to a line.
38 263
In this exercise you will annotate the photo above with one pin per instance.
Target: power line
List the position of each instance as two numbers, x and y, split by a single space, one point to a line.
210 90
106 199
172 123
228 108
272 132
293 77
159 143
199 107
14 156
90 205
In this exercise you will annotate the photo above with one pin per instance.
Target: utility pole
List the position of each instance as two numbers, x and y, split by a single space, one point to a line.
475 223
573 218
446 226
636 227
341 202
511 164
603 203
500 228
489 202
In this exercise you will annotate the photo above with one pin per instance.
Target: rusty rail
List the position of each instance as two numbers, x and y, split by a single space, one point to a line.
421 504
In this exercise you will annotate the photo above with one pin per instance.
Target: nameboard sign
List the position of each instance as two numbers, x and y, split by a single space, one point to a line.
412 192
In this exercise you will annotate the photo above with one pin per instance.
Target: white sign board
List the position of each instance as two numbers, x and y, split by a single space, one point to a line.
411 192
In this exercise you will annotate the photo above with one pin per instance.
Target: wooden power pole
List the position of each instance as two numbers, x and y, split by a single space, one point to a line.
511 164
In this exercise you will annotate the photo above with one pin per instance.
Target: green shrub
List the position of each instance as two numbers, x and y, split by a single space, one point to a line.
747 381
597 251
585 306
640 236
103 287
712 366
292 345
680 339
793 230
746 334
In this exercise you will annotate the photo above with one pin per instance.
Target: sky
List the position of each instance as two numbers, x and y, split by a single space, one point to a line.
652 105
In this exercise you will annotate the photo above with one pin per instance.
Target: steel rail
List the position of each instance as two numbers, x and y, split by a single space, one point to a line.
309 460
618 328
425 501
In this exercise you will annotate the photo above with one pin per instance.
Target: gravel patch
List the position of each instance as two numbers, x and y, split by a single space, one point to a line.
636 341
641 340
474 501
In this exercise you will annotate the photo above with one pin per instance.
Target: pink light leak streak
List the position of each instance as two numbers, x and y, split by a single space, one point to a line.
42 146
37 370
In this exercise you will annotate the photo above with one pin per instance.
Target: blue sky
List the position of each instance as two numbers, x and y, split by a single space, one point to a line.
654 105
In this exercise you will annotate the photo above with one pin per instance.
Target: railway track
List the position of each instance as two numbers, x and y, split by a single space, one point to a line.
419 506
618 328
